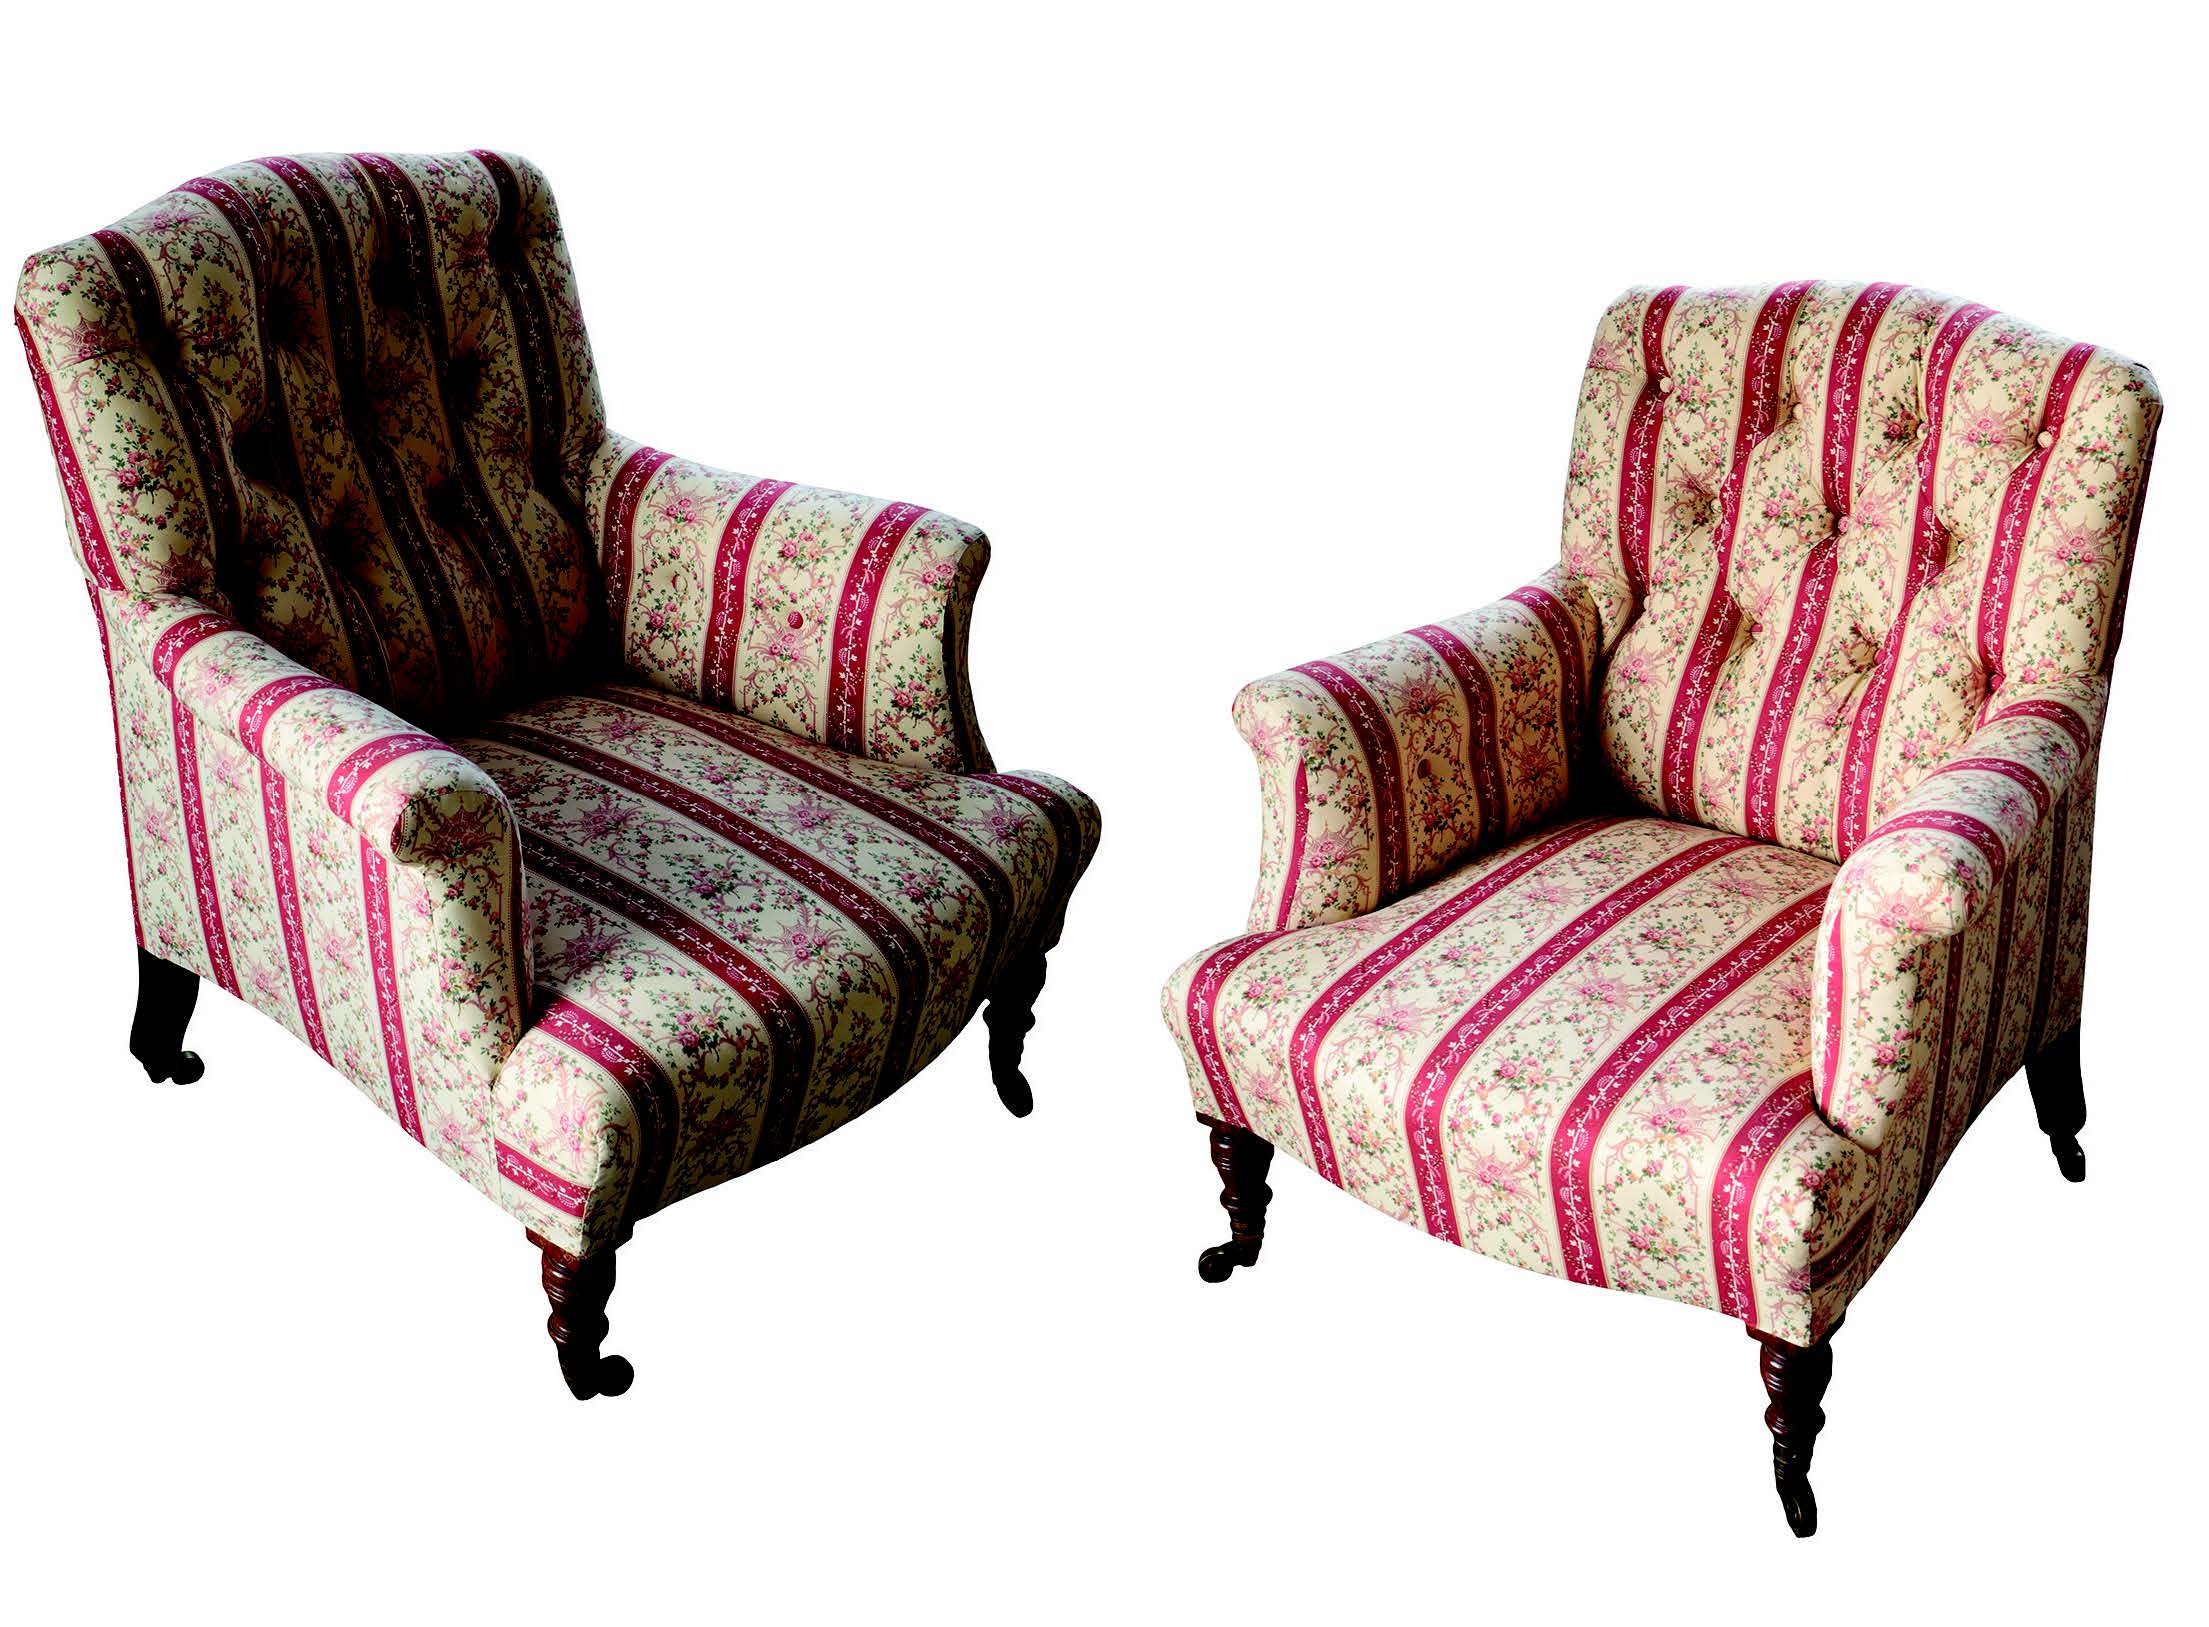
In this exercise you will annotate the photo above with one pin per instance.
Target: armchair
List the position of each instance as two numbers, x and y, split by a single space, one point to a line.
1665 925
614 824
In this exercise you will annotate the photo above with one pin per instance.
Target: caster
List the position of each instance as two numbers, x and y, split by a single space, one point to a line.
1217 1263
185 1070
606 1375
1013 1091
2070 1157
1801 1505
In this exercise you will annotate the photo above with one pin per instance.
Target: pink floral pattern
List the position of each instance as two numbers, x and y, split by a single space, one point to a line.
334 464
1847 566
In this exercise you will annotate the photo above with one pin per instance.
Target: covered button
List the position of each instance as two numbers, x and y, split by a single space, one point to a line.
2047 439
1845 523
1664 384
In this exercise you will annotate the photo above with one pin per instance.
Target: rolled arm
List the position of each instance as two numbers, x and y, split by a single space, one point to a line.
1383 766
1926 875
838 618
431 818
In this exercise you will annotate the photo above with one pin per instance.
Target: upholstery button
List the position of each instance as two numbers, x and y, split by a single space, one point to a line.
1846 523
796 619
2047 439
1426 768
1664 384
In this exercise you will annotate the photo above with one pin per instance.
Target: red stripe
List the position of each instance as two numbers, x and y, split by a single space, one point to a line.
618 540
183 636
1572 1148
2035 786
790 1037
532 315
1836 1004
732 563
122 788
1479 691
383 964
532 1177
1201 1011
1837 1259
1928 553
1428 1096
197 845
1300 796
1936 1112
363 763
847 649
2051 712
1955 823
1377 743
1733 1192
2019 498
1805 627
1637 469
1572 661
99 559
1721 616
652 1096
1843 406
756 743
1352 986
278 818
894 941
264 703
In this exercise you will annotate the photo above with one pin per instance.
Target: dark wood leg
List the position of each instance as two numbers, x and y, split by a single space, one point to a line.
1795 1378
1011 1013
1242 1160
579 1290
166 995
2059 1098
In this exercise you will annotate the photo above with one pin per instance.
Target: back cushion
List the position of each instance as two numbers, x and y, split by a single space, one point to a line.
347 400
1825 523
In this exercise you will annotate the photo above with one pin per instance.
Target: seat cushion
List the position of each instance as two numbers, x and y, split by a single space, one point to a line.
1586 1053
741 939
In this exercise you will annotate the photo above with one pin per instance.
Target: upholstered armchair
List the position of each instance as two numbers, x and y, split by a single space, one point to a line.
614 823
1664 925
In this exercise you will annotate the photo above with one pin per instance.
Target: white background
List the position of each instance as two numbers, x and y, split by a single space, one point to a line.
1249 336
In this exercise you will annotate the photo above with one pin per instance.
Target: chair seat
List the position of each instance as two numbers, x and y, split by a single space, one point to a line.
1586 1053
741 939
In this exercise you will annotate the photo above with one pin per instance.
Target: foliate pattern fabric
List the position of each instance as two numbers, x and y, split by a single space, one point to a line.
1585 1053
1829 525
345 399
1381 767
1848 566
324 428
839 618
1998 836
743 940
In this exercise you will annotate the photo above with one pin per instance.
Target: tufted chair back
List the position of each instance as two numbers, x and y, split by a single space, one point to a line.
347 400
1827 525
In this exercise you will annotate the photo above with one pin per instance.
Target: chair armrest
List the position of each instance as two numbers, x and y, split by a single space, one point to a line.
1385 765
835 617
1924 875
432 825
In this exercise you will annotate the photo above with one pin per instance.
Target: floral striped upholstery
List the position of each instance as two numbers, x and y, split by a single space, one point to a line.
362 550
1842 578
743 939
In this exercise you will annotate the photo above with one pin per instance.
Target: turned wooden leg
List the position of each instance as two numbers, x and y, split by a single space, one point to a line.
2059 1098
166 994
579 1290
1795 1378
1242 1160
1011 1013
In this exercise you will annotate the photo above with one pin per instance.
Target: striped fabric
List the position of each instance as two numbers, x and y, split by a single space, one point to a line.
1842 577
346 399
839 618
334 465
743 939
